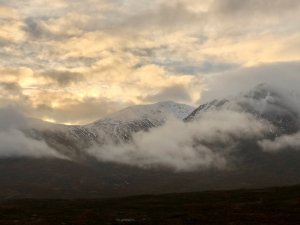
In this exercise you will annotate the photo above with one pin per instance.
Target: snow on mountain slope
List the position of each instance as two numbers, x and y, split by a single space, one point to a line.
264 102
159 111
120 125
115 128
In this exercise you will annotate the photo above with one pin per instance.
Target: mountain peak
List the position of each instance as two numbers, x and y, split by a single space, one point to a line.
159 111
263 101
262 91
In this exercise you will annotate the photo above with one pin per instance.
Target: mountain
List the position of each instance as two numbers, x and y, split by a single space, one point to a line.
248 165
115 128
158 112
263 101
120 125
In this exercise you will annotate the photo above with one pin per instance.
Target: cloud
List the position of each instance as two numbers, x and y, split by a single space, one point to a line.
11 25
34 28
15 143
36 7
202 144
283 76
63 78
100 49
10 88
177 93
56 106
69 25
83 96
82 111
165 16
281 143
256 7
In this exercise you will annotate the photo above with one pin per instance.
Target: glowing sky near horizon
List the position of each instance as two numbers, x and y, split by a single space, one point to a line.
72 61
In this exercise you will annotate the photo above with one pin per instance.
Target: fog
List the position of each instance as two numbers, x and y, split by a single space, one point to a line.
14 142
181 146
282 143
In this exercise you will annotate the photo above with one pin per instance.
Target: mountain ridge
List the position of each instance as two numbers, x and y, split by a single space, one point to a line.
248 165
263 101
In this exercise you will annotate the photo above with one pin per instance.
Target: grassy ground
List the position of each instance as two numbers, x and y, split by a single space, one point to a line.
246 207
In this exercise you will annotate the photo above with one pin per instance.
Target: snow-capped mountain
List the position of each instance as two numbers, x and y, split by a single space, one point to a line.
264 102
158 112
248 164
115 128
120 125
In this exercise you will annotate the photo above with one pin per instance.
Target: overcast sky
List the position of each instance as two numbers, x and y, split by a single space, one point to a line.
74 61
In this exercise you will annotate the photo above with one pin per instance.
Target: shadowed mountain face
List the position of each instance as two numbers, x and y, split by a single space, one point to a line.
248 163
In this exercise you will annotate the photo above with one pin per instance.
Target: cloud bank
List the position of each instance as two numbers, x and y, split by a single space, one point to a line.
281 143
284 77
202 144
14 143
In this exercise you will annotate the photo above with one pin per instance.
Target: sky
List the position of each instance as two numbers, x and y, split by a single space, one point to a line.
72 62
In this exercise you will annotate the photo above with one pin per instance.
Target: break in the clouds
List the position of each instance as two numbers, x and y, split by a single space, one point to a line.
60 56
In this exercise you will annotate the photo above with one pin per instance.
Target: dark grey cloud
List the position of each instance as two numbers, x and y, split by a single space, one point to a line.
11 95
255 7
34 29
63 78
196 68
10 87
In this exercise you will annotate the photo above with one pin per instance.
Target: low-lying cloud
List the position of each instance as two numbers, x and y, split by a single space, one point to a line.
186 146
15 143
280 143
